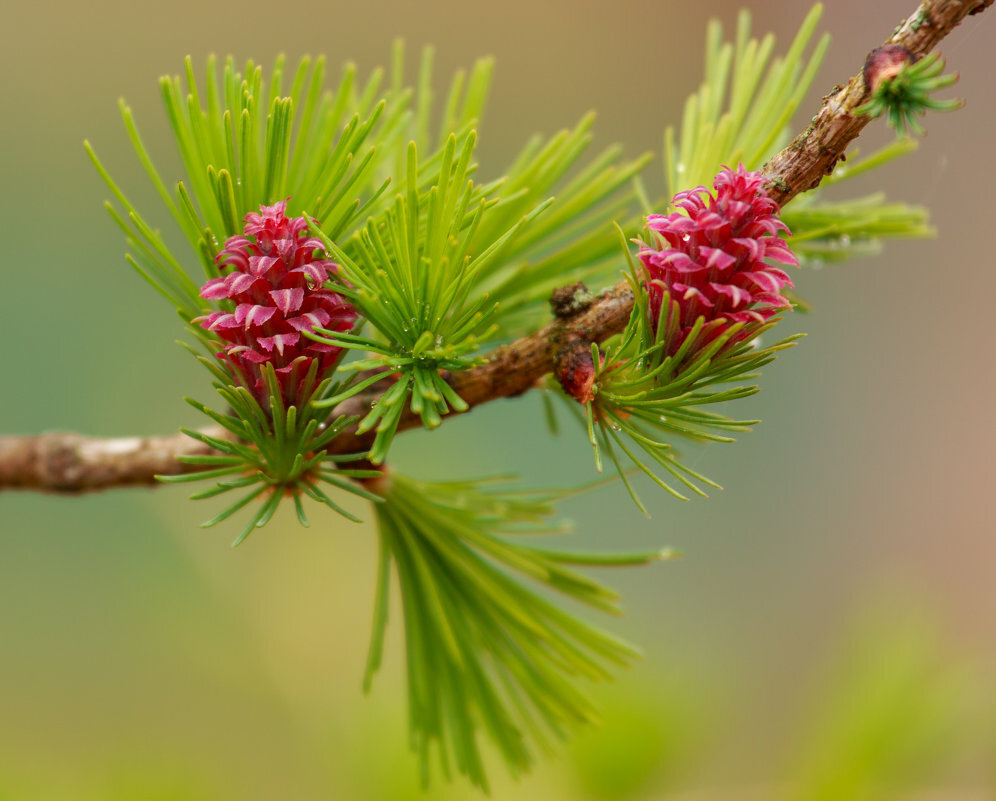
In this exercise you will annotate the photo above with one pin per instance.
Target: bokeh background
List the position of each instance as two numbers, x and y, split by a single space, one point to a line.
831 630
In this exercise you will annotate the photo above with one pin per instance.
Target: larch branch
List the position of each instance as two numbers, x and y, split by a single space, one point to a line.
71 463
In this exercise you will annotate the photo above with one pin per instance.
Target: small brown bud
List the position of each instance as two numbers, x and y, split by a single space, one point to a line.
566 301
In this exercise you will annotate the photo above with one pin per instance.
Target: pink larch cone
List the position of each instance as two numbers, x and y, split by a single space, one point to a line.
713 256
276 283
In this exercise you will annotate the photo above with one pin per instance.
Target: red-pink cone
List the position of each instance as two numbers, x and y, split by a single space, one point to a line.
713 256
276 285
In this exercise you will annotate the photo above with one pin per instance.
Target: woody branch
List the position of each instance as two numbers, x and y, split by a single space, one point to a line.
71 463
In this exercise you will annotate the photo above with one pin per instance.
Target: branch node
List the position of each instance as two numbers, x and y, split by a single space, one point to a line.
567 301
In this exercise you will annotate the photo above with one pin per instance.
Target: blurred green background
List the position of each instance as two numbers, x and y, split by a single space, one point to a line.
831 631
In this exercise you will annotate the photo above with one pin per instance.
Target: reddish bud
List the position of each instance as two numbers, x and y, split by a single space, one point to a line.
885 63
575 370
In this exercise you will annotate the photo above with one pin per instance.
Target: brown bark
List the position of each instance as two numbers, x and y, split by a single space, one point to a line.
73 463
